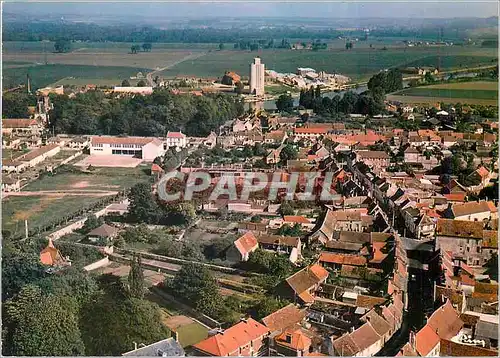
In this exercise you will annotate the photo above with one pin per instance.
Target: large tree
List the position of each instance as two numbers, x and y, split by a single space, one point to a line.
284 103
143 206
111 322
136 278
288 153
62 45
39 325
196 284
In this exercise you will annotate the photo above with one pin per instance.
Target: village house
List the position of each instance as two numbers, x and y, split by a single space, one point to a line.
146 148
21 127
37 156
133 90
275 137
241 248
104 232
50 256
257 228
10 183
287 245
373 159
301 286
472 211
78 143
342 220
13 166
480 176
241 125
310 132
246 338
175 139
463 239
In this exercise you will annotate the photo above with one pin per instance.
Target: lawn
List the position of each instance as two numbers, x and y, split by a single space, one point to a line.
189 334
44 75
474 92
450 93
40 210
359 63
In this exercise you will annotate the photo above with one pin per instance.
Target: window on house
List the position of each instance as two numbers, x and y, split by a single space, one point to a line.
468 248
476 262
478 249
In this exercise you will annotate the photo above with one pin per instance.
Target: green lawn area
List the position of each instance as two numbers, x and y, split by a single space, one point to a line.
188 334
41 210
449 93
191 334
44 75
359 63
455 61
99 179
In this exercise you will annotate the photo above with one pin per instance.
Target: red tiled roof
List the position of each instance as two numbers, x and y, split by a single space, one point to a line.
246 243
426 340
372 154
381 326
481 287
121 140
459 228
296 219
455 197
305 279
345 346
241 334
317 130
341 259
299 341
445 321
175 135
365 336
18 123
156 168
284 317
369 301
472 207
482 171
378 255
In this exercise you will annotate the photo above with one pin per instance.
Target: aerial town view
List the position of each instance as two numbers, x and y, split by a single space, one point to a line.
250 179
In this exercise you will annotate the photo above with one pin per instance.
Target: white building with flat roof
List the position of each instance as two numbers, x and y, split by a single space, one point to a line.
146 148
257 74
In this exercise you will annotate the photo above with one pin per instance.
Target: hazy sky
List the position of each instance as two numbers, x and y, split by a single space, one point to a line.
241 8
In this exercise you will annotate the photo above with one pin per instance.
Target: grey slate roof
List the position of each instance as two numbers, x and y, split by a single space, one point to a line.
166 348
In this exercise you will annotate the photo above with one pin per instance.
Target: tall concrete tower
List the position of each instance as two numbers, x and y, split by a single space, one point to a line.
257 77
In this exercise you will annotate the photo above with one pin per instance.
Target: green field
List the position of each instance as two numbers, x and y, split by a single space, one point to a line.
108 63
450 93
356 63
474 92
44 75
40 210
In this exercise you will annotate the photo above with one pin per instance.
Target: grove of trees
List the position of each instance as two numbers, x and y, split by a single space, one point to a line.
96 113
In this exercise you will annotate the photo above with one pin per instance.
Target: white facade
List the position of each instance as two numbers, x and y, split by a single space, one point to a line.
257 73
140 147
176 139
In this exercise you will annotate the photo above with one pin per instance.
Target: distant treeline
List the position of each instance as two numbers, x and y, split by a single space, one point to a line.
95 33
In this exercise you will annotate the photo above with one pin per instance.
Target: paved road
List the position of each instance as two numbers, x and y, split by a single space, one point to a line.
191 56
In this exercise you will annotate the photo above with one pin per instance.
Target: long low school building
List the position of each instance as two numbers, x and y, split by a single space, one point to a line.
146 148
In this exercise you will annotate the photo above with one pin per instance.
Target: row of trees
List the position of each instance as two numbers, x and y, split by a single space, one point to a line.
154 115
38 31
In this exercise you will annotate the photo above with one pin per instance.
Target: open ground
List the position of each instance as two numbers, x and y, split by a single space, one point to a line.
53 197
109 63
476 92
